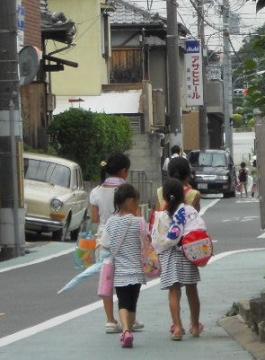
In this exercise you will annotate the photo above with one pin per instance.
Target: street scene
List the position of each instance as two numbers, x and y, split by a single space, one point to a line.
132 196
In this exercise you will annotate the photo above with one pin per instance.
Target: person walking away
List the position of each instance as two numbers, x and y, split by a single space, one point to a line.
175 152
114 173
243 178
179 168
122 235
176 270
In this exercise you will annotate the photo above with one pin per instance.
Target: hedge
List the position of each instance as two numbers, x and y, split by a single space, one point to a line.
88 138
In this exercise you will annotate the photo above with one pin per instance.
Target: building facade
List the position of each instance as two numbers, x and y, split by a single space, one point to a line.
91 48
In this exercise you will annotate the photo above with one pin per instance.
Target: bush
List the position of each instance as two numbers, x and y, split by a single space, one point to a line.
238 120
88 138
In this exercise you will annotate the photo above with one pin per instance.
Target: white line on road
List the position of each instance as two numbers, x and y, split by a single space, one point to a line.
262 236
58 320
42 259
211 204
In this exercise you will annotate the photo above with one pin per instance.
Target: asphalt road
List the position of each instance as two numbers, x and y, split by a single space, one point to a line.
29 295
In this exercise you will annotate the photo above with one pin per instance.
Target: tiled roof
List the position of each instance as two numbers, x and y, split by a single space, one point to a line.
55 25
126 13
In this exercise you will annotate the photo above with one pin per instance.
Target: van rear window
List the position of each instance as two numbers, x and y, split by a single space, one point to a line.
210 159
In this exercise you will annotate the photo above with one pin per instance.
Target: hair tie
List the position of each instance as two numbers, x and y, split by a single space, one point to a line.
172 197
103 163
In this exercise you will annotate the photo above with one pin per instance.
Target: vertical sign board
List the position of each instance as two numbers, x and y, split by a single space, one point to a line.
20 25
194 78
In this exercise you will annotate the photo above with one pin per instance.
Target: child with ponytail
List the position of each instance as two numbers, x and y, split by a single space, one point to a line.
176 270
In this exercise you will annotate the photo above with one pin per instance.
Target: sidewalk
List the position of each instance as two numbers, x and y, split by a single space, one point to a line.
230 279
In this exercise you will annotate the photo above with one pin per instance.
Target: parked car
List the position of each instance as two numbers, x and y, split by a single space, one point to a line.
55 199
214 171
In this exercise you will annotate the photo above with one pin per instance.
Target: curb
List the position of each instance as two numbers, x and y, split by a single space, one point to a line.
239 331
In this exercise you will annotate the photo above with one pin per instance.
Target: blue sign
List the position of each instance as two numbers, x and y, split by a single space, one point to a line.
192 46
21 17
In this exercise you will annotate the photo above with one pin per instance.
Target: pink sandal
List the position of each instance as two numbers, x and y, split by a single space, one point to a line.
172 329
126 339
197 333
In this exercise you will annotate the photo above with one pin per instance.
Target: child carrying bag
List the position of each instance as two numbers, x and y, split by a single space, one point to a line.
106 277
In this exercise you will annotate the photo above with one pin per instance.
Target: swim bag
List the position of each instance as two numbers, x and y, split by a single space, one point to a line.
197 247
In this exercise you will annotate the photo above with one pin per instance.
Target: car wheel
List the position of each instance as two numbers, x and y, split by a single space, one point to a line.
74 234
60 235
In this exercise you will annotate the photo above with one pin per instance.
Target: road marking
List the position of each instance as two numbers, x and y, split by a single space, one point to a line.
243 219
211 204
262 236
232 252
37 261
247 201
58 320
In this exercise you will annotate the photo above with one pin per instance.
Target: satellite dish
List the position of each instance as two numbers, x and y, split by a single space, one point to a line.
29 64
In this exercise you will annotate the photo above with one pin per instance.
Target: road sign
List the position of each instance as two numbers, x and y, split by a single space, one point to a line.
20 25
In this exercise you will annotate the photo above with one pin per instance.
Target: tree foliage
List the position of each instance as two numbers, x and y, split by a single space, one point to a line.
88 138
248 73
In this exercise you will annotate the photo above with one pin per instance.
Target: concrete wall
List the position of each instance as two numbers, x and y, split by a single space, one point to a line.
92 71
145 155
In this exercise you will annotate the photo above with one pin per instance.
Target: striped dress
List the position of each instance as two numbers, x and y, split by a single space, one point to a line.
128 261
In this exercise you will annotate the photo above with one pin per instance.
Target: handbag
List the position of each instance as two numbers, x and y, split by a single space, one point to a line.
106 277
151 264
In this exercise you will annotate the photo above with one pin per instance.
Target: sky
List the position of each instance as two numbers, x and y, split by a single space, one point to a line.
249 20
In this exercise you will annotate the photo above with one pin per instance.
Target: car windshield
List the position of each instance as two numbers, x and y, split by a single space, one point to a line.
210 159
47 171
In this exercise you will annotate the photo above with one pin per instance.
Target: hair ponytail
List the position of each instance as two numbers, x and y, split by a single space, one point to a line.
173 194
114 164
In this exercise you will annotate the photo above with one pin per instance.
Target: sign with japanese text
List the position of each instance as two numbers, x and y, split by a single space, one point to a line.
194 79
20 24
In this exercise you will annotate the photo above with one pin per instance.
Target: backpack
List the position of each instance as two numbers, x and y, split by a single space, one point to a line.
197 247
242 175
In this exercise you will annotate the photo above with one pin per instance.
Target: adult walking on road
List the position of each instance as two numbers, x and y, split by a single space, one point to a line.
114 173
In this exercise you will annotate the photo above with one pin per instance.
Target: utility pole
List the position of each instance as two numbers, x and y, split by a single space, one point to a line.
174 88
12 238
227 78
203 120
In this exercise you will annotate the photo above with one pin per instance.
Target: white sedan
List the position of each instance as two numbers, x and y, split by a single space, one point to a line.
55 199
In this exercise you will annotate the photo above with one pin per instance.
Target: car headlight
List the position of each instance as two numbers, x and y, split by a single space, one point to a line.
56 204
221 177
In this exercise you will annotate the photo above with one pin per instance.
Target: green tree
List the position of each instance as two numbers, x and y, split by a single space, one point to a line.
238 120
88 138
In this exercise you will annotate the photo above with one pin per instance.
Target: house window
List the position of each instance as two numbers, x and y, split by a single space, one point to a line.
126 66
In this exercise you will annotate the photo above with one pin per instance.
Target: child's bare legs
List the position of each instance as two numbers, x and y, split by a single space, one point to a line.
108 307
194 304
174 297
127 319
246 189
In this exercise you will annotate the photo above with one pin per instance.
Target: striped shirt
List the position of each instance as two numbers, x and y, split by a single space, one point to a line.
128 260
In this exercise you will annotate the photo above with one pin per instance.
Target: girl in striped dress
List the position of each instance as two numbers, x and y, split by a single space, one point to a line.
176 270
122 235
